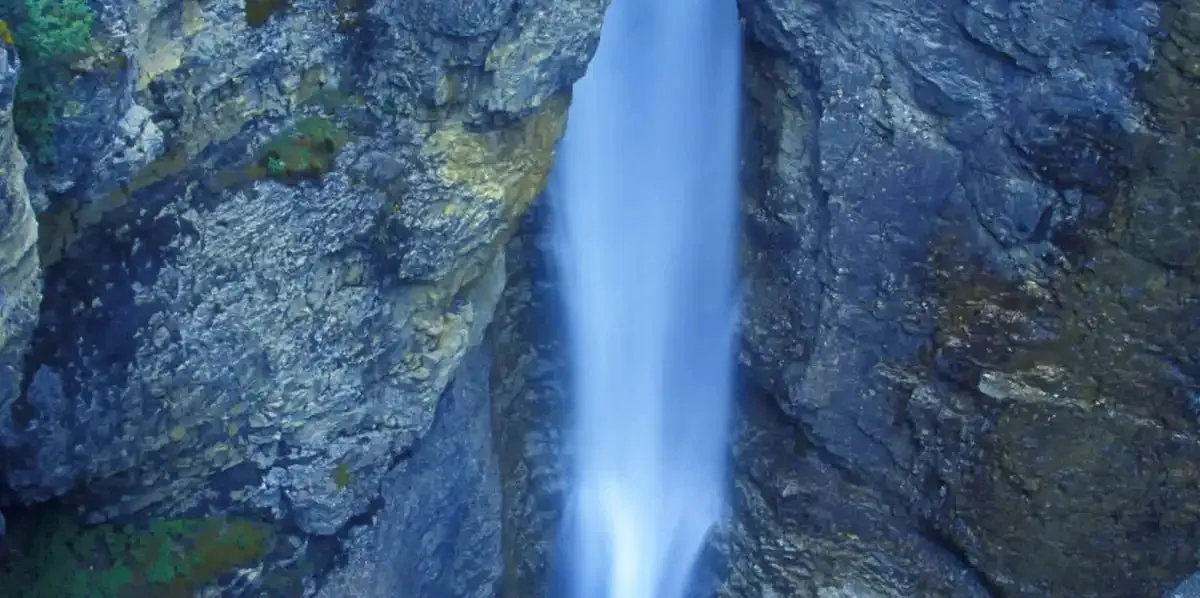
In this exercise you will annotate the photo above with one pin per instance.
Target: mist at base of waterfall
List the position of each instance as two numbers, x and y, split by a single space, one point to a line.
645 198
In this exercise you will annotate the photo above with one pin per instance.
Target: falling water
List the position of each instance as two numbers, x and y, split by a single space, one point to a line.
646 187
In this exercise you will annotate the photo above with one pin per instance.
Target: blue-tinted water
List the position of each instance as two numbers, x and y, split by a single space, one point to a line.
646 194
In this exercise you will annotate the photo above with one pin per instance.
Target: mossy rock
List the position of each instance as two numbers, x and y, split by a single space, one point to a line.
259 11
57 558
308 151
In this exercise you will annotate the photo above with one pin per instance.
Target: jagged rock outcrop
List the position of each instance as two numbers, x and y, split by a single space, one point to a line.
264 317
20 276
972 323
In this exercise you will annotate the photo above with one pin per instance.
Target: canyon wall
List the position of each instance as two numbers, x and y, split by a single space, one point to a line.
972 328
275 260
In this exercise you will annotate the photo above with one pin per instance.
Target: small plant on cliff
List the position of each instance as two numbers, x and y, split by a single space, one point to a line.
259 11
307 151
49 35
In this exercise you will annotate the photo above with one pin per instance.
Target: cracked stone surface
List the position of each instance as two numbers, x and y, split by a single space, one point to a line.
972 325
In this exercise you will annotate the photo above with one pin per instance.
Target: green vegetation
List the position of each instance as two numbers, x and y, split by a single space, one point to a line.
307 151
341 476
168 559
258 11
49 35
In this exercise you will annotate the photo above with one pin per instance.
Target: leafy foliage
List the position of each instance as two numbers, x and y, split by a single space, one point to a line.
49 35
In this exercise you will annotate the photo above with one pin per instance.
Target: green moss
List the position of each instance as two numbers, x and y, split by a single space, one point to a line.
307 151
341 476
167 559
50 34
259 11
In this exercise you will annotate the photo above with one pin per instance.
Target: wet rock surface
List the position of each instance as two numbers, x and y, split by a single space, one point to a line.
970 240
529 408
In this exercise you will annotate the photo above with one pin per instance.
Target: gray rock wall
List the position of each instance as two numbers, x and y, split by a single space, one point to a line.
438 533
20 274
970 238
529 407
260 312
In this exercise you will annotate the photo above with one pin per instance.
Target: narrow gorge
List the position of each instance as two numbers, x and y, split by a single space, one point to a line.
280 315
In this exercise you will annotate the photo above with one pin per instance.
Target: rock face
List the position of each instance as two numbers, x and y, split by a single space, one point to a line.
439 533
20 276
972 328
259 311
528 407
281 280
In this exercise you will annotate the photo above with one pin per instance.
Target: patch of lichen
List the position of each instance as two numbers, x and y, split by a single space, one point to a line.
1131 306
1107 335
510 165
1066 411
54 557
1071 498
259 11
981 317
341 476
1172 88
307 151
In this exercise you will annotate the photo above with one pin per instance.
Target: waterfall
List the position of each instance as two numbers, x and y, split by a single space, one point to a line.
645 198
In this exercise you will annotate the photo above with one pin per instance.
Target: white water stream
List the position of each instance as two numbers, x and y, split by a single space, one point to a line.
645 196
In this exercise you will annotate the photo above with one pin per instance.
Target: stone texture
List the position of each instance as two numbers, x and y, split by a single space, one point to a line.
529 406
438 532
20 276
216 341
972 300
970 342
